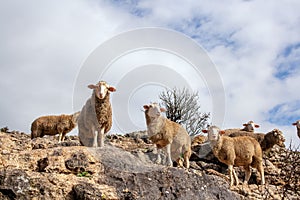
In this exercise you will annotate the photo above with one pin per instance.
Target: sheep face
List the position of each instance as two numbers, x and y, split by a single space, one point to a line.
297 123
250 126
153 110
277 134
213 133
101 89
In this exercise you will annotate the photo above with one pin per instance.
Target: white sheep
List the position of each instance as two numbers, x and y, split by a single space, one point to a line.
54 124
95 118
165 133
248 127
238 151
297 124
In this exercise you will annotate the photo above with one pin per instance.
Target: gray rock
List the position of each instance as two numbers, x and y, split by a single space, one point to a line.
144 180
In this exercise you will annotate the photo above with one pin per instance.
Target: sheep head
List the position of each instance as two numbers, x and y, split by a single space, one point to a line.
250 126
278 137
101 89
297 123
214 133
153 110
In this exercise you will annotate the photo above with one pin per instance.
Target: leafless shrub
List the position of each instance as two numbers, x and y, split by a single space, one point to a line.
290 172
183 107
285 184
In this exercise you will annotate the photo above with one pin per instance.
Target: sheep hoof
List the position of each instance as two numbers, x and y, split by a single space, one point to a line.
158 161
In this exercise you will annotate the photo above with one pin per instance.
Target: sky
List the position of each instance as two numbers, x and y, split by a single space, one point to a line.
253 45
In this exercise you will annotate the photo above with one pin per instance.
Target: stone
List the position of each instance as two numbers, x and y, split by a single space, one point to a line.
125 169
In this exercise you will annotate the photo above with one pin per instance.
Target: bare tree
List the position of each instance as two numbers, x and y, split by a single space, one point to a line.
182 107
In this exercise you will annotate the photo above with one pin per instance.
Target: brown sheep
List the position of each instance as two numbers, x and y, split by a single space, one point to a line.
297 124
96 115
54 124
199 139
165 133
266 141
248 127
238 151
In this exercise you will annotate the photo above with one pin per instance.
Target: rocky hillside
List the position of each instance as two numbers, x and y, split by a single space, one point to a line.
125 169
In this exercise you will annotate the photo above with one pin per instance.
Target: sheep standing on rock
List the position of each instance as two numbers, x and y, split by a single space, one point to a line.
297 124
238 151
266 141
248 127
54 124
165 133
96 116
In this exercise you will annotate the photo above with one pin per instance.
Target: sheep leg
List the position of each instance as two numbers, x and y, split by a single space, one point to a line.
235 177
59 137
247 174
262 175
179 162
230 170
95 133
158 151
186 159
170 162
63 137
102 137
35 134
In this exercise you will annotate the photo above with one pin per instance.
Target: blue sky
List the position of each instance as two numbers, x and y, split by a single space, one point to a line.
255 46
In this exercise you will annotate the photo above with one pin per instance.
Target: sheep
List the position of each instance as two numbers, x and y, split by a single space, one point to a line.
266 141
297 124
248 127
166 133
54 124
198 139
95 118
238 151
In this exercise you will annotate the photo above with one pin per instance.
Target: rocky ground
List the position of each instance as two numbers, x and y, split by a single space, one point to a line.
125 169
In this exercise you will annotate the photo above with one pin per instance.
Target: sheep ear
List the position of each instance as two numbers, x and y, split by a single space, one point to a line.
111 89
256 126
205 131
221 132
92 86
146 107
163 110
294 124
245 124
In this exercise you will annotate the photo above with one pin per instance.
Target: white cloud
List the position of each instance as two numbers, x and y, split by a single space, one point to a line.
44 43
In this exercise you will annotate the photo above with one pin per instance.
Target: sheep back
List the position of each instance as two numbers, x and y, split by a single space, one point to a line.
238 151
266 141
258 136
166 134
